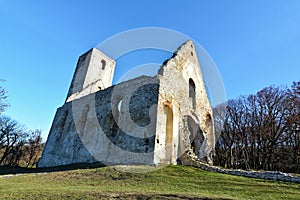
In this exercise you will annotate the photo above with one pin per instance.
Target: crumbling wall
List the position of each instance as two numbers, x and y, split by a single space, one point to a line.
64 145
98 127
147 120
182 89
268 175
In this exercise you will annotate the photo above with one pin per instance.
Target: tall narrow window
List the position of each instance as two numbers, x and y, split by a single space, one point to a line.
120 105
192 92
119 110
103 64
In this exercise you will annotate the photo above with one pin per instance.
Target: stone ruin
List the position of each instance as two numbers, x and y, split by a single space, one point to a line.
145 120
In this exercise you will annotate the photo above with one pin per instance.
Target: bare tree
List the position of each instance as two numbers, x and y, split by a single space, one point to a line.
33 148
3 96
16 144
293 123
18 147
261 131
12 136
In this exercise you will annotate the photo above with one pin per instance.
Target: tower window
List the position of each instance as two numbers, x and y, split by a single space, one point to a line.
103 64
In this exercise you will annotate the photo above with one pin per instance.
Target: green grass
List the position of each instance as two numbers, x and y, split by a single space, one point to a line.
171 182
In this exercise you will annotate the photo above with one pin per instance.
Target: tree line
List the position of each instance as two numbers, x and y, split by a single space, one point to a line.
18 147
260 131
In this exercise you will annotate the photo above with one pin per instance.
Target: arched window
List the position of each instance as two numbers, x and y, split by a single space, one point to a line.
208 120
120 105
103 64
192 92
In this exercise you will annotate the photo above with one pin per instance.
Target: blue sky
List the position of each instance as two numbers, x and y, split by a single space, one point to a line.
254 44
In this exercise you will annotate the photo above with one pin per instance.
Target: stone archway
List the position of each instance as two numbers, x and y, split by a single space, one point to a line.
196 136
198 142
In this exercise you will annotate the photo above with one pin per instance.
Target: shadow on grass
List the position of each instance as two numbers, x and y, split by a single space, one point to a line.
4 170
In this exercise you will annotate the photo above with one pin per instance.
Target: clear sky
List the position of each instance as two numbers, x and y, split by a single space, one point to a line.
254 44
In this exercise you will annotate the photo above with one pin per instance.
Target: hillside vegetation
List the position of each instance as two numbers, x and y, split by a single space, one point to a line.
260 131
171 182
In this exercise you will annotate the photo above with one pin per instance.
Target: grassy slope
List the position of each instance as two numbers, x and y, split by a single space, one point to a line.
169 182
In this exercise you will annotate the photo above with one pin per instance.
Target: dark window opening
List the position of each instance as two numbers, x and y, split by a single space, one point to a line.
193 146
103 64
192 92
208 120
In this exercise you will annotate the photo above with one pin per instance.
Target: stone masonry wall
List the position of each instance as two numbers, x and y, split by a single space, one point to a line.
113 126
175 78
268 175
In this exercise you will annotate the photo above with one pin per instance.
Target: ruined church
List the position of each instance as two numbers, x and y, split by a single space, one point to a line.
146 120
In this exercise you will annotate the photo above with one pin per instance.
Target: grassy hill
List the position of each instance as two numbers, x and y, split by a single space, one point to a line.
171 182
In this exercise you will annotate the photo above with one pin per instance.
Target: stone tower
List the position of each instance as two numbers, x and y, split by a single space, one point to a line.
94 72
145 120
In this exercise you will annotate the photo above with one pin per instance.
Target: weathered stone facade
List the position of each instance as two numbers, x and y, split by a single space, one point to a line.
146 120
